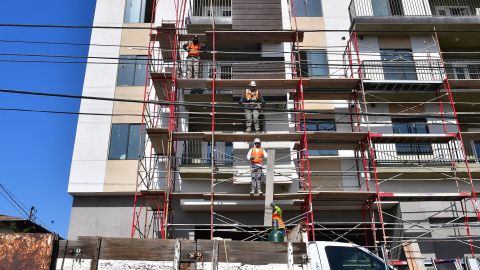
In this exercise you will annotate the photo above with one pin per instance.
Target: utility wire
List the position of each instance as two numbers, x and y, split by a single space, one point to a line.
207 105
240 31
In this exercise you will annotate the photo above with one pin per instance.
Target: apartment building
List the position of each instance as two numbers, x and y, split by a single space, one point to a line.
365 101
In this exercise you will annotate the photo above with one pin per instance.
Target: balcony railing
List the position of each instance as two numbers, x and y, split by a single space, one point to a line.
423 70
417 154
389 8
463 69
198 153
210 8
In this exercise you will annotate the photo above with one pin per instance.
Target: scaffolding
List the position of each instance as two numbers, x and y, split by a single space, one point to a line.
360 83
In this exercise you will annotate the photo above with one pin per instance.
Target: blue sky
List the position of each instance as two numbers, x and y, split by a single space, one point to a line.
37 148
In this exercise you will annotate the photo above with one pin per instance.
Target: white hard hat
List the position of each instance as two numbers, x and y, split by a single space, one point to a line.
252 83
257 140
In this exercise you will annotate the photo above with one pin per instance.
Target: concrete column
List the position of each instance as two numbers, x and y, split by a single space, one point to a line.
269 186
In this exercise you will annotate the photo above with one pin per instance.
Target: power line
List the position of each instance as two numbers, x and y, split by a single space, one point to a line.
240 31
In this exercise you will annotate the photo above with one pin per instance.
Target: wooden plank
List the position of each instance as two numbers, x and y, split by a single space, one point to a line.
96 255
137 249
413 256
269 188
67 248
215 255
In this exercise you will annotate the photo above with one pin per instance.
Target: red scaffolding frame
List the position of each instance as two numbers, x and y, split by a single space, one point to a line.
145 223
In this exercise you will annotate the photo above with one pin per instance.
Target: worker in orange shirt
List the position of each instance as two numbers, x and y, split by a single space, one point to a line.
256 156
194 48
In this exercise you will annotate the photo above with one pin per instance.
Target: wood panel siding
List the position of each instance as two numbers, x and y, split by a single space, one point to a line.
256 15
259 71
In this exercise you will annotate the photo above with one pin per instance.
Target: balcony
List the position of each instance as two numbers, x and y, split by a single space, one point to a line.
202 13
402 74
463 69
419 12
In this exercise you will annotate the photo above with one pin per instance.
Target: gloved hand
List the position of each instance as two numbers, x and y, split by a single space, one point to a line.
252 158
272 204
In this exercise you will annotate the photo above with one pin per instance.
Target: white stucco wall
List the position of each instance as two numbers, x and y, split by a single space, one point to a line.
93 132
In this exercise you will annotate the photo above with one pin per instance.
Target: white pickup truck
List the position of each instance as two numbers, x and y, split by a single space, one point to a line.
343 256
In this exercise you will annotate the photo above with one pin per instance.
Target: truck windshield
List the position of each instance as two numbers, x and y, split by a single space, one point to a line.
352 258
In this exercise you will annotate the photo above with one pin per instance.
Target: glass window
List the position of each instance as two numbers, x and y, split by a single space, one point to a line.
308 8
314 63
412 126
132 70
322 152
351 258
125 142
138 11
321 125
398 64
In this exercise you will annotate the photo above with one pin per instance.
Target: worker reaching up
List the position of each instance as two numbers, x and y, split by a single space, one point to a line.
253 103
277 218
256 156
194 48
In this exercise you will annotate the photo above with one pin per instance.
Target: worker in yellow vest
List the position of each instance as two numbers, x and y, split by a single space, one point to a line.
256 156
253 103
194 48
277 218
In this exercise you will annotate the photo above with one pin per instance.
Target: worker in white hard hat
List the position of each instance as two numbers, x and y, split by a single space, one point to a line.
253 102
256 156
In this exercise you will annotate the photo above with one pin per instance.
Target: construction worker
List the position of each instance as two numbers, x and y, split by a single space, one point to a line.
194 48
253 102
277 218
256 156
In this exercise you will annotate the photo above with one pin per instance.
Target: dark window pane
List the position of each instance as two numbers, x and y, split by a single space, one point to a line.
476 144
398 64
140 71
132 70
318 63
351 258
322 152
412 126
308 8
126 71
118 142
134 142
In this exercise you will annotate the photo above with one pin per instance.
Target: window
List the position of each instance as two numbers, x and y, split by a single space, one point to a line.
412 126
452 11
314 63
321 125
476 148
125 142
308 8
398 64
138 11
383 8
352 258
132 70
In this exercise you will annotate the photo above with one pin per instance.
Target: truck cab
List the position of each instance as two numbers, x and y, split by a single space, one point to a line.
343 256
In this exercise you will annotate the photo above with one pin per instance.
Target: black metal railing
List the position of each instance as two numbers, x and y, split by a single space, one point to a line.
199 153
417 154
210 8
424 70
390 8
462 69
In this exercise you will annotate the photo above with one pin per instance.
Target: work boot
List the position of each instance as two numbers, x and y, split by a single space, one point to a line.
259 192
252 192
248 130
